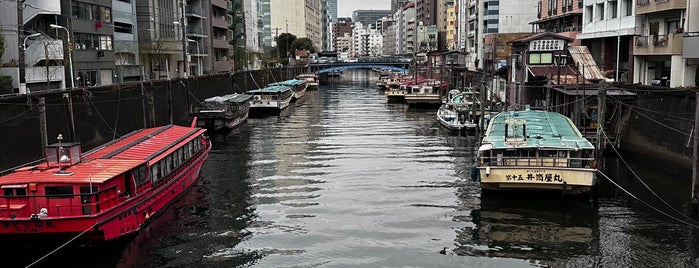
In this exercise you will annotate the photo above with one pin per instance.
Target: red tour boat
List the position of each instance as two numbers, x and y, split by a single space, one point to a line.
103 194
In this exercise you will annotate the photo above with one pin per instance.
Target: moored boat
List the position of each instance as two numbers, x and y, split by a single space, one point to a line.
535 150
223 113
426 94
270 100
103 194
296 85
311 80
454 114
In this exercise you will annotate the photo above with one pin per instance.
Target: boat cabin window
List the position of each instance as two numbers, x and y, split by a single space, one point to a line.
552 153
139 175
155 172
58 190
14 191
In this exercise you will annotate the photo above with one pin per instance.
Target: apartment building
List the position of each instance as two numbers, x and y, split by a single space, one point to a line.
126 57
563 17
659 53
301 18
608 31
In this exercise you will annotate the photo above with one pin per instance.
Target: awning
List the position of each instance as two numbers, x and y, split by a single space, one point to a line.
585 62
550 70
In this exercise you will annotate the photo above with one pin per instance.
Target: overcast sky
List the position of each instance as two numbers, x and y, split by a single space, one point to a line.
345 7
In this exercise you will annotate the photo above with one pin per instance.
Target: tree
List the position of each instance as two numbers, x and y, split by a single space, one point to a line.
303 43
284 42
2 47
237 28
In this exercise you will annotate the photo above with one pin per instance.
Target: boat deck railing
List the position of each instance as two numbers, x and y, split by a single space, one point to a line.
565 162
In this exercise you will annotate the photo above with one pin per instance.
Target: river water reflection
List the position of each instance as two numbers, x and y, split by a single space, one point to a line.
348 180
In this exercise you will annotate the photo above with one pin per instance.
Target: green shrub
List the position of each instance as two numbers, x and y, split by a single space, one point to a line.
6 84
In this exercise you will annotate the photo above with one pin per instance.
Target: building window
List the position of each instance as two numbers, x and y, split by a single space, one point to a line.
612 9
120 27
86 78
88 11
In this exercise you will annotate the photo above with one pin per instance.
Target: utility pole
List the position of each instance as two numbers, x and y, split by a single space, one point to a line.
20 45
548 93
276 33
601 106
695 156
185 64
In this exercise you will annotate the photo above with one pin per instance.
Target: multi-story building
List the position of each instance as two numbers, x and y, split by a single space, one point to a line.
426 11
451 37
92 31
301 18
408 30
608 31
366 40
441 21
219 56
252 42
341 27
126 58
332 9
268 33
397 5
161 40
198 30
658 53
389 38
367 17
563 17
343 45
34 45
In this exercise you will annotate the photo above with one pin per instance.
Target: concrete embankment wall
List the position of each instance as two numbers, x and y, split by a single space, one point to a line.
657 129
100 114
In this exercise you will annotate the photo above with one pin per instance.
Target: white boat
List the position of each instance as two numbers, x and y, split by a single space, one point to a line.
297 86
455 114
535 150
428 93
271 99
311 80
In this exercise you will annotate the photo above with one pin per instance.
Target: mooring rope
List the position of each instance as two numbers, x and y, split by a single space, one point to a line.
61 246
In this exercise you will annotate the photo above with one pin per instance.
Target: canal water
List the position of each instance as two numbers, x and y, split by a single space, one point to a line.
349 180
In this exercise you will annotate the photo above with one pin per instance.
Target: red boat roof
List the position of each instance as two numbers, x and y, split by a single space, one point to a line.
95 171
111 159
148 144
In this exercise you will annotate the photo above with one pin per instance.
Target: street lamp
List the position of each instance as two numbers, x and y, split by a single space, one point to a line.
24 44
198 54
70 56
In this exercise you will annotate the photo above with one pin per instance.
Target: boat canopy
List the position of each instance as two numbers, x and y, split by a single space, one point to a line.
291 82
534 129
270 89
235 97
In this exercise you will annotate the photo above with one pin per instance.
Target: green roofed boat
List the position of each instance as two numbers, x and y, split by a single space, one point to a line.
297 86
535 150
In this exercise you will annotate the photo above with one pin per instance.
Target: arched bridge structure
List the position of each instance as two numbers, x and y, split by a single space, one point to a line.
399 67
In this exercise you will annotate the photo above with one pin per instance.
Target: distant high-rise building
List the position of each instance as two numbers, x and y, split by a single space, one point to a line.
332 9
398 4
368 17
301 18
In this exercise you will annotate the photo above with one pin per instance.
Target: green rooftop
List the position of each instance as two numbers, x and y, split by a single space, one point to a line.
543 129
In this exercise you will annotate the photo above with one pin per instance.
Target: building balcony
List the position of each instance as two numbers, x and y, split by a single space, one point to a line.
690 43
193 31
651 6
43 49
41 74
193 11
222 66
220 3
658 45
220 43
219 22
